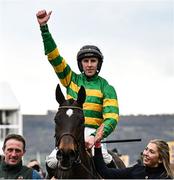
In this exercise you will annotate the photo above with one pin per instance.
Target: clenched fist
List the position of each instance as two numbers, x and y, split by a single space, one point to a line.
43 17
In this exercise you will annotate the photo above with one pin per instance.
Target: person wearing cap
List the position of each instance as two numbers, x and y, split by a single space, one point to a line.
101 105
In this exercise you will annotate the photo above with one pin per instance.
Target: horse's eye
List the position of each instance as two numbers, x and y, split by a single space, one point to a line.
57 120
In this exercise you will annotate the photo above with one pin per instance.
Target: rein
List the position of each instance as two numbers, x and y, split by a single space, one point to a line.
79 162
86 169
67 134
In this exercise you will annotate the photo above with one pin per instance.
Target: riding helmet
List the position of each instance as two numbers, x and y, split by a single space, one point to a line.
89 51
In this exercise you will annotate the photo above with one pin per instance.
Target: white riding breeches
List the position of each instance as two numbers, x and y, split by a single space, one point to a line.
106 156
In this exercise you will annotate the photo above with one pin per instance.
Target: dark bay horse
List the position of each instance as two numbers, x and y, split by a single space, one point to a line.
74 161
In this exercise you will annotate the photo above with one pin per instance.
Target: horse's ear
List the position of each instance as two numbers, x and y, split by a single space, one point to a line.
59 95
81 96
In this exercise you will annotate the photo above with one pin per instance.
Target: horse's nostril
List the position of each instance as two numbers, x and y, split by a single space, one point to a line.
72 154
59 154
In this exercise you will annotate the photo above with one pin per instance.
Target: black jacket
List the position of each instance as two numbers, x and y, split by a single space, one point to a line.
15 171
135 172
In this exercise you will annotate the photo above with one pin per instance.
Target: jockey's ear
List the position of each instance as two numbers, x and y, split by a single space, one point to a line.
81 96
59 95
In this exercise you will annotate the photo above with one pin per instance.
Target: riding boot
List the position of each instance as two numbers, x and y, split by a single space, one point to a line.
111 164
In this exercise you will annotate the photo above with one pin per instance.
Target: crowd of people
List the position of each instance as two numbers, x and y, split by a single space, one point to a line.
101 113
155 161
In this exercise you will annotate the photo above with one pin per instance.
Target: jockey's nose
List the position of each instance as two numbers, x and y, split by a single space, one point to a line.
89 63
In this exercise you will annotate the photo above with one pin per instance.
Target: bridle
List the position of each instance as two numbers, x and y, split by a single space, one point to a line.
77 160
70 107
59 155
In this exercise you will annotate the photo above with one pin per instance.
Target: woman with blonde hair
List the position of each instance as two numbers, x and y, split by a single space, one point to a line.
156 162
163 150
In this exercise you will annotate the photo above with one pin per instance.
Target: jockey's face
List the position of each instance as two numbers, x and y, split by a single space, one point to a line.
151 156
13 151
90 66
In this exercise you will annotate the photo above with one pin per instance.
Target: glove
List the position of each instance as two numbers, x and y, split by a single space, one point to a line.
51 160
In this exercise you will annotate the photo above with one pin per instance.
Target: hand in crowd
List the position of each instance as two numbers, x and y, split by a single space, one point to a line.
32 163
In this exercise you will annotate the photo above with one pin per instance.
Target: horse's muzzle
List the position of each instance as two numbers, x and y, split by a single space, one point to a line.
67 153
66 159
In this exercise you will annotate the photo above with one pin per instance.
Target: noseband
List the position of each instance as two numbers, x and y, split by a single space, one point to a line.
73 158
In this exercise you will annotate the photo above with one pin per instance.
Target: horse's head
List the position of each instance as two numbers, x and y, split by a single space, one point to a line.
69 129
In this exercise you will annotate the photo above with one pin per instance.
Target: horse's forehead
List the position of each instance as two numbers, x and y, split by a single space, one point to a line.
69 112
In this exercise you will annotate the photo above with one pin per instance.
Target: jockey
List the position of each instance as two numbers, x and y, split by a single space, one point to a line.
101 105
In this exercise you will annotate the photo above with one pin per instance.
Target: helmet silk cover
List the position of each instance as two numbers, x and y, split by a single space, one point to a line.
89 51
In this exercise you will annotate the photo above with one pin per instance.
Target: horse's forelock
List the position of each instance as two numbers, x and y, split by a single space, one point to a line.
71 102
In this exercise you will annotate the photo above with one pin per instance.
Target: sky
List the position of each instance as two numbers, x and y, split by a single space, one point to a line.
136 38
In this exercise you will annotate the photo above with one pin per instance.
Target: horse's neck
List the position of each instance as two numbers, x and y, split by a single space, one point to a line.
85 156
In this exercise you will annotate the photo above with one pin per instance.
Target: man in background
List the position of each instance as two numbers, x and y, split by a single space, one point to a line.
11 166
